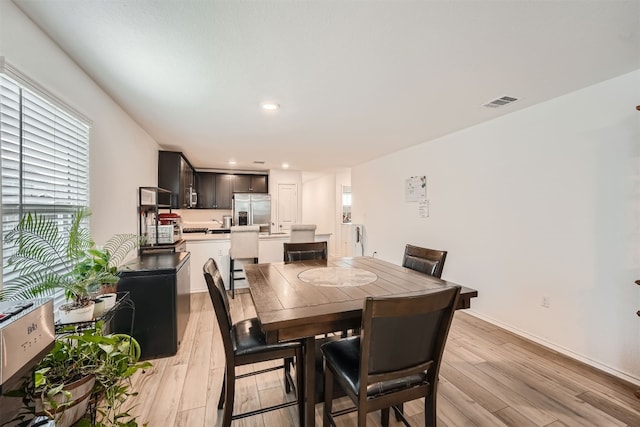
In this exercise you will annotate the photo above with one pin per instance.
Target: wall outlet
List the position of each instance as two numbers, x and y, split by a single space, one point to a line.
546 302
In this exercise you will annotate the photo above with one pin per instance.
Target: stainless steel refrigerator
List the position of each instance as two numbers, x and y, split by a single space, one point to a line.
252 209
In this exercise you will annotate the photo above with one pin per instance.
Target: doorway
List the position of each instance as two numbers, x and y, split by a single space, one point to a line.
287 207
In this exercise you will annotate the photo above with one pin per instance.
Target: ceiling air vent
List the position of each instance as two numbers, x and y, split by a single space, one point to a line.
258 162
500 102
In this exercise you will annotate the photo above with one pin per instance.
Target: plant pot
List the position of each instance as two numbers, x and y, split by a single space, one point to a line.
109 300
77 315
108 288
99 307
79 401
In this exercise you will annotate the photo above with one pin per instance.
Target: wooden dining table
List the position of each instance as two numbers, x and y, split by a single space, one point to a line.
301 300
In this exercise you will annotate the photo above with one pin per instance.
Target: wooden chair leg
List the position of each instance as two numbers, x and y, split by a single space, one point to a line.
430 414
384 417
327 420
400 408
231 279
300 384
229 396
221 400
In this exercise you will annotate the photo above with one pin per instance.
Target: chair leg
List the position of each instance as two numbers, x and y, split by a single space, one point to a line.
300 385
230 380
327 419
231 284
430 414
384 417
400 408
287 374
362 417
221 400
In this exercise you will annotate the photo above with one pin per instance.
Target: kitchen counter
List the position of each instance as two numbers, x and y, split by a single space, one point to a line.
191 237
204 246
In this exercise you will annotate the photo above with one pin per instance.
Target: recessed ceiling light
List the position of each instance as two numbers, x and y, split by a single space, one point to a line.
270 106
232 162
285 165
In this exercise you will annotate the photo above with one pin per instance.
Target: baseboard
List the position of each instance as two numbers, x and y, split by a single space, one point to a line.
564 351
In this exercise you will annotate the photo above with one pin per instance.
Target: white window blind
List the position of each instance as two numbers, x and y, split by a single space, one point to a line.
44 159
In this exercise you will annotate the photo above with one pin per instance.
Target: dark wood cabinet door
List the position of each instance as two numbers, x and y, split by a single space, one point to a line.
206 189
224 190
176 175
169 175
241 183
259 184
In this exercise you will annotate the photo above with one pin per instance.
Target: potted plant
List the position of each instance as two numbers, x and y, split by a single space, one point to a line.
85 370
49 258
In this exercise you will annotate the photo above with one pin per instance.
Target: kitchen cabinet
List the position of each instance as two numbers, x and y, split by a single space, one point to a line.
215 190
176 174
250 184
224 190
206 188
159 286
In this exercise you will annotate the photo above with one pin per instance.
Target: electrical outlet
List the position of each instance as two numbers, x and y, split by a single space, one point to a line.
546 302
219 252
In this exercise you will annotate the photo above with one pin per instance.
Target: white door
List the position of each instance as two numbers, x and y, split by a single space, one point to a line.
287 206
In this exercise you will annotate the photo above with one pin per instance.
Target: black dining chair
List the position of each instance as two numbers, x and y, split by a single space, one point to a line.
245 343
424 260
305 251
395 359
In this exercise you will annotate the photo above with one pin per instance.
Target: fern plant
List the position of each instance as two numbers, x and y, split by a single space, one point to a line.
49 258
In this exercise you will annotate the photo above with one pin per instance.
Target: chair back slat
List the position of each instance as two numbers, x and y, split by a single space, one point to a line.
220 301
305 251
424 260
400 333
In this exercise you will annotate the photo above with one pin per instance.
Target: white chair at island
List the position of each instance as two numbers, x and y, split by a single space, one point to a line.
244 245
303 233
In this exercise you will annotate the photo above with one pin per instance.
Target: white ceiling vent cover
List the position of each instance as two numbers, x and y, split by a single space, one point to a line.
504 100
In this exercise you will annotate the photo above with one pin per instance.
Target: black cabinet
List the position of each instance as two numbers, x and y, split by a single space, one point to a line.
206 188
215 190
176 174
250 184
158 285
224 190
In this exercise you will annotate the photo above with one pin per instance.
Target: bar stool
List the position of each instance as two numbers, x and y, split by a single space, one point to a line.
302 233
244 245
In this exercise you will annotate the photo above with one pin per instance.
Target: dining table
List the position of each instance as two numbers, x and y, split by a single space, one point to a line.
304 299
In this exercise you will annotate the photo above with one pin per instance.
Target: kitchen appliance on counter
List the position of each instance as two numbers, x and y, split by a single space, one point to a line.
227 221
27 333
252 209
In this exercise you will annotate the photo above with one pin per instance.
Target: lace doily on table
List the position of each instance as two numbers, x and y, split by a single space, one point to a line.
337 276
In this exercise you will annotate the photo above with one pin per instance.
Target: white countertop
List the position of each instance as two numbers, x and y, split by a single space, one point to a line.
199 237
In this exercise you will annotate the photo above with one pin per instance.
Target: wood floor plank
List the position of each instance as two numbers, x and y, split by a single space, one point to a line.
489 377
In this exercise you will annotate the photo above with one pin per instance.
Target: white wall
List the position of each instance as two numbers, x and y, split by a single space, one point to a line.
541 202
122 155
319 205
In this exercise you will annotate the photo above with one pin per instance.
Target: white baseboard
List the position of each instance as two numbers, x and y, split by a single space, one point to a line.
608 369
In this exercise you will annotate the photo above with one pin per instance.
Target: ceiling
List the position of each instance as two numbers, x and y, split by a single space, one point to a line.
355 79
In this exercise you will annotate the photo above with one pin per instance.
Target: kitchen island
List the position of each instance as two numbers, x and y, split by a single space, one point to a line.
206 245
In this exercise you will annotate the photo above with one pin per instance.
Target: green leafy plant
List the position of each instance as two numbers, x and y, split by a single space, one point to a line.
48 257
111 359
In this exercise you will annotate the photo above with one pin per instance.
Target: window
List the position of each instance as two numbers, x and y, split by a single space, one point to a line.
44 156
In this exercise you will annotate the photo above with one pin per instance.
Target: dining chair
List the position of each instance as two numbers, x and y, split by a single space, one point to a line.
396 358
244 245
304 251
301 233
245 343
428 261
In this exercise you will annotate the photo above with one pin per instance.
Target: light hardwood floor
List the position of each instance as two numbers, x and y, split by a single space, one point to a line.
489 377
